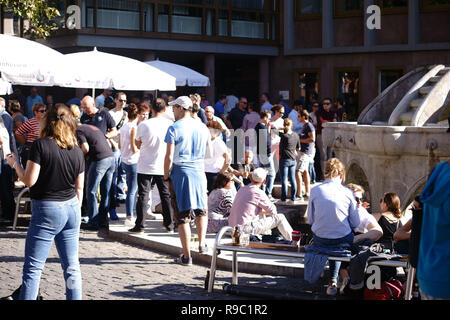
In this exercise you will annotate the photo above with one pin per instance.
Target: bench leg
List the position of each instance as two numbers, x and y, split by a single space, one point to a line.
234 270
409 283
212 273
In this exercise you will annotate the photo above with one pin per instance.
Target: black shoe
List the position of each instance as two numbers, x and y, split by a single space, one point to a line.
136 230
89 227
183 261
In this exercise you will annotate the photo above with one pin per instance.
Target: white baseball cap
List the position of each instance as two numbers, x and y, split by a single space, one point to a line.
183 101
259 175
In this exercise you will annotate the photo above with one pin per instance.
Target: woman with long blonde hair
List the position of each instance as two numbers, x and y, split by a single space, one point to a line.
55 175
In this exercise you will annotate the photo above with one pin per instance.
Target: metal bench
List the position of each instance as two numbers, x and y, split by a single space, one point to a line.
19 198
286 251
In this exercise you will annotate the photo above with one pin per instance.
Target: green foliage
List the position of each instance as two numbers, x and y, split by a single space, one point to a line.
41 15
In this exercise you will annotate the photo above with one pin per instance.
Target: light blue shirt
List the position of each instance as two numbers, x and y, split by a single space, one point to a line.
332 210
30 102
296 125
190 138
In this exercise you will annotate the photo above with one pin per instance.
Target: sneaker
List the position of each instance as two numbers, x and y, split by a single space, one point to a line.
203 249
136 230
113 215
332 289
273 199
183 261
169 229
129 222
306 197
151 216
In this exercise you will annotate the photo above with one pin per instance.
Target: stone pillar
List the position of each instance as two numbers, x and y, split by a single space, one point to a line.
264 75
210 71
327 24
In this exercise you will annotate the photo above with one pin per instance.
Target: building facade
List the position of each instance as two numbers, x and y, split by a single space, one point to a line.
303 49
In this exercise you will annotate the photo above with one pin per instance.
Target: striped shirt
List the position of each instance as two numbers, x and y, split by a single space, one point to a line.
32 128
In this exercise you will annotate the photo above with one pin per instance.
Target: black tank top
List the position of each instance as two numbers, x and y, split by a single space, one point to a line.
389 229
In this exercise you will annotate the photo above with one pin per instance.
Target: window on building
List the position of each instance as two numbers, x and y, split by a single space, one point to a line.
252 19
308 9
435 5
187 20
393 6
344 8
248 4
116 14
148 18
163 18
88 13
348 87
247 25
223 23
307 88
210 27
386 77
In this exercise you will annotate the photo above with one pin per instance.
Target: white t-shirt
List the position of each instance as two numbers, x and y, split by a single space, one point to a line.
168 114
215 163
128 157
153 149
117 116
365 219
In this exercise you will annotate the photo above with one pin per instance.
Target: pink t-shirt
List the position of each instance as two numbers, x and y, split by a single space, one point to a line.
248 204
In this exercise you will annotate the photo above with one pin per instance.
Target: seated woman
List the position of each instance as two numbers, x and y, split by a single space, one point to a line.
389 218
220 201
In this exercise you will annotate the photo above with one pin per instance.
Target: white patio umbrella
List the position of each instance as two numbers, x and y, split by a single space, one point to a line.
185 76
5 87
27 62
100 70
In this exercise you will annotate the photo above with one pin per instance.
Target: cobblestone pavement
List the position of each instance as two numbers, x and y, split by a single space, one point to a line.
116 271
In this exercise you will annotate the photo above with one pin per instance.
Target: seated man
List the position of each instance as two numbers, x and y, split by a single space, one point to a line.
244 170
253 210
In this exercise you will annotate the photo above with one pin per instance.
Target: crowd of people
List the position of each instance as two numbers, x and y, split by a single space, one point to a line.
213 166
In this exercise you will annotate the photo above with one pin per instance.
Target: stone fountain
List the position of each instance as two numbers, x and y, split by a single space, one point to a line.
398 138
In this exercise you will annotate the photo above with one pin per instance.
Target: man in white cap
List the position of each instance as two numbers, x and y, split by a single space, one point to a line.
253 210
188 142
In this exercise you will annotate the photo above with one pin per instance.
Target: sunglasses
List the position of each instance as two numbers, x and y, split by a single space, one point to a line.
243 102
122 100
327 103
358 200
42 111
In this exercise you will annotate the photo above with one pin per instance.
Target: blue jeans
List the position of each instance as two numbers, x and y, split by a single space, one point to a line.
287 170
210 178
59 221
334 265
312 173
131 174
118 179
100 173
270 179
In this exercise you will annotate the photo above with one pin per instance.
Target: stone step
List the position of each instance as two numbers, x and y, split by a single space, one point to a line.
444 71
407 117
434 79
415 103
425 90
